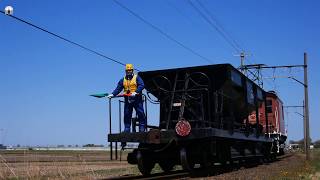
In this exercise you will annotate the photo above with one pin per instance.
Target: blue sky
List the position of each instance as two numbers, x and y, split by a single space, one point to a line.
45 82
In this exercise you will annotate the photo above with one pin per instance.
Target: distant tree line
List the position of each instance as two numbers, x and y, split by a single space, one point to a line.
92 145
316 144
300 143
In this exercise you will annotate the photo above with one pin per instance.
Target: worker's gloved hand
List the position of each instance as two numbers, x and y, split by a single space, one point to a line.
134 94
110 96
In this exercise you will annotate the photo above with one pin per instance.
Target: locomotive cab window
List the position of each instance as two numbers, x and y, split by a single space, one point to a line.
269 106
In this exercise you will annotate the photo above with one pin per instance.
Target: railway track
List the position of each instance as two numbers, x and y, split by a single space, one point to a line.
213 171
170 175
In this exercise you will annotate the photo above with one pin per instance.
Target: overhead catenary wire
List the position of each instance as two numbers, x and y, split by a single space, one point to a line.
219 25
66 40
211 20
94 51
180 12
214 23
161 31
214 26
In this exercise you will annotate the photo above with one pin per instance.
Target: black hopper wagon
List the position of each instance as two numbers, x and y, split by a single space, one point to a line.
204 119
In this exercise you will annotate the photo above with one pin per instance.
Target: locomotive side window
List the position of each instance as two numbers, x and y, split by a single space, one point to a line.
250 95
269 106
236 77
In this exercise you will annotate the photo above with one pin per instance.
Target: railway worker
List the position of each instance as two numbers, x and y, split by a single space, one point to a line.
131 85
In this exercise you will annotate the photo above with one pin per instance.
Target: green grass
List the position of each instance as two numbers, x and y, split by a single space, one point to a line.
315 162
301 169
313 166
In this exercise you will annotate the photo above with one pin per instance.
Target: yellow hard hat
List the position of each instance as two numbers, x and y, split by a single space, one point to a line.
129 67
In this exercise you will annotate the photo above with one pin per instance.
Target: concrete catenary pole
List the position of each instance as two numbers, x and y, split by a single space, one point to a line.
110 125
306 101
304 128
242 56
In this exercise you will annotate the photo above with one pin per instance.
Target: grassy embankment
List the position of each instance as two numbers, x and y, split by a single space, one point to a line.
304 169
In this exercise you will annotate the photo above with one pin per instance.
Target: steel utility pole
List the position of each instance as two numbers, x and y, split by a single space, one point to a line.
306 109
242 56
242 59
304 129
2 136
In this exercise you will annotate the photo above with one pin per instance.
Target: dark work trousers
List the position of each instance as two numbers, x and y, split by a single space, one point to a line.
136 103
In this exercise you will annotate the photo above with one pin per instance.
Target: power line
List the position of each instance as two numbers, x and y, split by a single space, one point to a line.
214 23
160 31
214 26
65 39
219 25
222 31
180 12
234 43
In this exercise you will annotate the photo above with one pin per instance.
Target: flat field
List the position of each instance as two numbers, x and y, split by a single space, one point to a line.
96 165
26 164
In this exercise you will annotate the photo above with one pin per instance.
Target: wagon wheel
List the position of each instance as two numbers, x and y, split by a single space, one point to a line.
185 160
145 164
166 166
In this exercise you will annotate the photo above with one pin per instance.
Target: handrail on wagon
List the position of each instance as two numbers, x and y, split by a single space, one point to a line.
103 95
